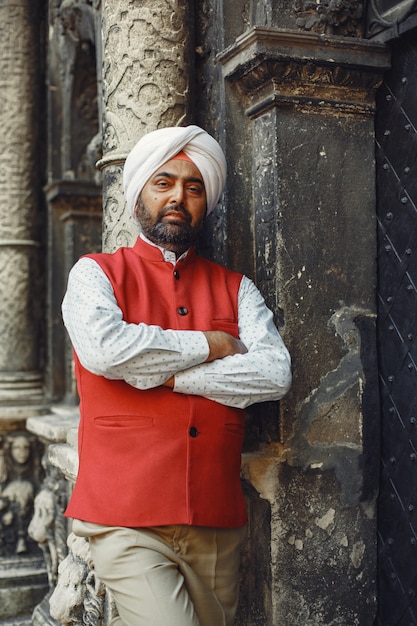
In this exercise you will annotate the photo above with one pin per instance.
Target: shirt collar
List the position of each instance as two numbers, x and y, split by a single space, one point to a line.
168 255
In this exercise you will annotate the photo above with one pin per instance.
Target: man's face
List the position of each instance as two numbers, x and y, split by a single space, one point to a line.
172 205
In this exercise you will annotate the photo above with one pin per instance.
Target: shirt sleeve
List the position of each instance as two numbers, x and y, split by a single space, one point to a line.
145 356
263 373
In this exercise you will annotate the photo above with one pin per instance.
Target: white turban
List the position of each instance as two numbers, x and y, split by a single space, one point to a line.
159 146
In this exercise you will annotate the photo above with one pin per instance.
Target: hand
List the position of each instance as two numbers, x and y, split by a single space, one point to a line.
169 383
222 344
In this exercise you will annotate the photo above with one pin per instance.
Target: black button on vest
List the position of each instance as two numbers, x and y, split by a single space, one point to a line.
193 431
176 275
182 310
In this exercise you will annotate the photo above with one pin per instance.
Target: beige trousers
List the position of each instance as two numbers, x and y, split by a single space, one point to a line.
168 575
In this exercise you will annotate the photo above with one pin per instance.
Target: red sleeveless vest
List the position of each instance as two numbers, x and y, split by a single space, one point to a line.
156 457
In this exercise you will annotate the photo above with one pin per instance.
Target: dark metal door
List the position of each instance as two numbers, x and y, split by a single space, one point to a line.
396 134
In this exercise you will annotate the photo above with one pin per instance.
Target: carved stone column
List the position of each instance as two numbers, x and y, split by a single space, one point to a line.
20 262
146 85
308 101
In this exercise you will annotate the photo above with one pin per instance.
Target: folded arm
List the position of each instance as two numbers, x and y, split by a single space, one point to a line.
212 364
262 372
143 355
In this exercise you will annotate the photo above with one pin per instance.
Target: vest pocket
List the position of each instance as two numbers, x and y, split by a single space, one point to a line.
124 421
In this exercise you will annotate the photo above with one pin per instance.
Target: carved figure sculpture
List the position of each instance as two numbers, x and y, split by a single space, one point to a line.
48 526
20 449
41 529
78 597
335 17
18 482
20 494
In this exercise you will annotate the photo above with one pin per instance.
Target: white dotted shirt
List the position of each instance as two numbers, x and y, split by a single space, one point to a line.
145 356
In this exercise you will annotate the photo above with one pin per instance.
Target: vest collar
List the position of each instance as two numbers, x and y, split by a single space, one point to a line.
151 252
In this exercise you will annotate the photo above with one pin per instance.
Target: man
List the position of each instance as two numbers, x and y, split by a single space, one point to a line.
169 350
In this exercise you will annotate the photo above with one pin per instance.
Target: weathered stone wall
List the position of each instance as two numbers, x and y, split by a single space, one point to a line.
305 103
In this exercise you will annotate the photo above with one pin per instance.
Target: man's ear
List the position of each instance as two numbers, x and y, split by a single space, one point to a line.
136 209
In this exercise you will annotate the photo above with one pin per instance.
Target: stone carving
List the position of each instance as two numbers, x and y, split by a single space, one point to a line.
19 480
146 56
17 81
145 69
306 79
389 16
78 20
41 529
18 324
48 526
118 227
79 595
333 17
76 26
276 68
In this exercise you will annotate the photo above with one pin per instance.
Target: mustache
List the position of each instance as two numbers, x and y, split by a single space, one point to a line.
174 207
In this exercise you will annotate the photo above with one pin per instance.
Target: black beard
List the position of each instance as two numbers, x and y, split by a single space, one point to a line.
177 237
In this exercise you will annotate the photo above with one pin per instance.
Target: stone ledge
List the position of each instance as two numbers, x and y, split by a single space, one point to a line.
283 68
259 43
65 458
54 426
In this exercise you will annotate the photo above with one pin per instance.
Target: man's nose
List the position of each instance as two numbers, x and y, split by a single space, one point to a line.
177 194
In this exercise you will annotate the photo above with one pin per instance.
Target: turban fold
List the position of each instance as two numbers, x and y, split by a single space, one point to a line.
159 146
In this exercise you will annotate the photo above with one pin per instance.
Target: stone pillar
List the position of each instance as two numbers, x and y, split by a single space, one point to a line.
22 579
146 85
20 262
309 102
